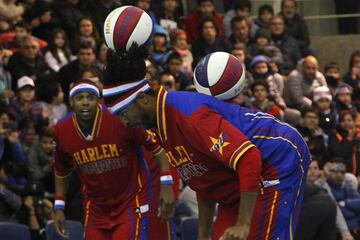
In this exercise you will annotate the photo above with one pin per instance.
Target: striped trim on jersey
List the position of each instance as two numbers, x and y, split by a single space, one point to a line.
238 153
95 128
160 114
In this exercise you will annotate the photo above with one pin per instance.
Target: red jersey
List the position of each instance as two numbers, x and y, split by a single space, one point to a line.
208 152
109 160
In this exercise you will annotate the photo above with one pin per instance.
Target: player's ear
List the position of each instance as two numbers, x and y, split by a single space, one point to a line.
142 98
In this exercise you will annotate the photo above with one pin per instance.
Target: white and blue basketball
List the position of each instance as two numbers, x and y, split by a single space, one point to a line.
127 25
221 75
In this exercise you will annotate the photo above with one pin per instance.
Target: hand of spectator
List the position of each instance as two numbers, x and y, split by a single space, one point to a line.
59 222
167 202
348 237
35 22
46 112
13 136
29 203
8 93
4 26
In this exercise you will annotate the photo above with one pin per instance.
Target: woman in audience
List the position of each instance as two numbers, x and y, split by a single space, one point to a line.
87 32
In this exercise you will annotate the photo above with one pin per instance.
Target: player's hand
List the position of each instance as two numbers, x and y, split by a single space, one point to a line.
59 224
240 232
167 202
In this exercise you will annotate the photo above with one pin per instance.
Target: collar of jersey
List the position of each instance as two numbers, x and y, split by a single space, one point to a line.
95 128
160 114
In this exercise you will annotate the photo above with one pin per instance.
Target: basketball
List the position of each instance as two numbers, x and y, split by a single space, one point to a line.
220 74
127 25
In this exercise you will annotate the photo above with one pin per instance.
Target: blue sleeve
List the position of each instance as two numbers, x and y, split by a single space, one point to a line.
17 152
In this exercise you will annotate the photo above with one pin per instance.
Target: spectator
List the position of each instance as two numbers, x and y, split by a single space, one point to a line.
86 32
332 73
10 12
265 14
325 109
68 13
263 46
352 77
240 30
286 43
28 61
346 197
99 10
41 159
6 92
242 8
160 50
260 91
173 66
51 98
10 202
181 46
261 71
343 98
25 109
206 9
318 177
12 40
167 80
344 142
146 6
302 82
101 54
317 220
313 134
210 40
169 14
71 72
95 75
59 52
296 26
239 52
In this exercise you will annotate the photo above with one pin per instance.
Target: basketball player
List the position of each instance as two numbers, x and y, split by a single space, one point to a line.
222 151
119 201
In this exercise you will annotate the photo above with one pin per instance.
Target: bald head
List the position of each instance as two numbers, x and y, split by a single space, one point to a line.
310 66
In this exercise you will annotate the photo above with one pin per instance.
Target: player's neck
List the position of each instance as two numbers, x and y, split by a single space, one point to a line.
85 125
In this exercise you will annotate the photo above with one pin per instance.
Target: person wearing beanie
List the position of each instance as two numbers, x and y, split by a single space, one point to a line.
120 195
181 46
207 142
160 49
343 98
325 109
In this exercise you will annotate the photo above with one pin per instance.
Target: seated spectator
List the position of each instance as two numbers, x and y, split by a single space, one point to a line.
241 9
296 26
41 159
261 71
240 30
263 46
332 73
265 14
101 54
168 15
59 52
239 52
174 67
6 92
206 9
10 202
325 109
167 80
210 40
343 98
344 142
302 82
286 43
318 177
317 220
51 98
146 6
94 74
28 61
25 109
313 134
12 40
10 12
160 49
352 77
260 91
69 73
86 32
181 46
346 197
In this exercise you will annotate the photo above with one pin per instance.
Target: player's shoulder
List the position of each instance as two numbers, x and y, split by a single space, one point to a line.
65 121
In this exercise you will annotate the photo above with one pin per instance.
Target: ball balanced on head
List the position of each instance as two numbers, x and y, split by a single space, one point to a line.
125 26
221 75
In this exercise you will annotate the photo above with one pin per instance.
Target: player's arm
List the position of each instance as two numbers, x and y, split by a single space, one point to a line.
206 216
167 197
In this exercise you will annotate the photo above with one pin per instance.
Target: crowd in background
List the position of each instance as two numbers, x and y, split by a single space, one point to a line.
48 45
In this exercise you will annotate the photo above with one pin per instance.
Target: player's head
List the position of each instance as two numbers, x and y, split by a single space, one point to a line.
84 96
126 93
